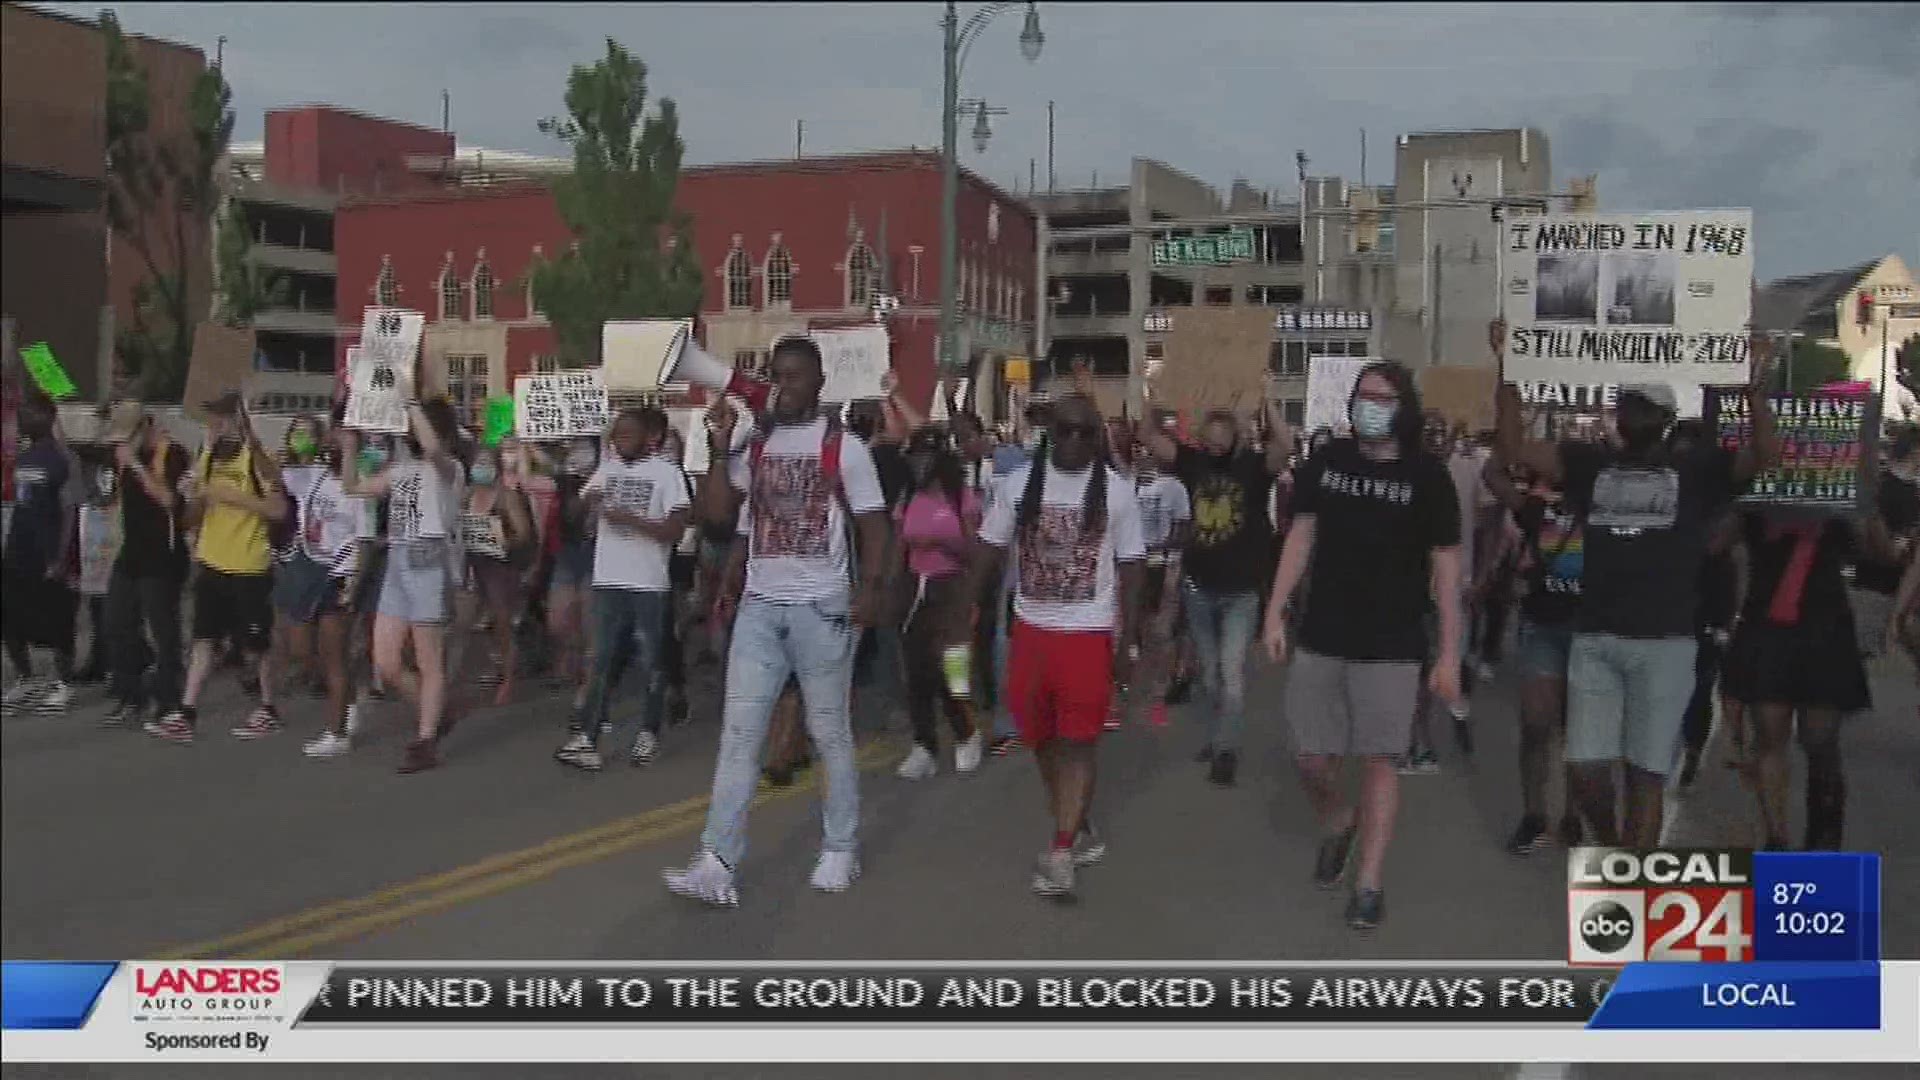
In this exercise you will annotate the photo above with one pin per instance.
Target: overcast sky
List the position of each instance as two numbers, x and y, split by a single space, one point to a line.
1803 112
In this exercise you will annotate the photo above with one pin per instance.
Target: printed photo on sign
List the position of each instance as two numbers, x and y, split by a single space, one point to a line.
1569 289
1642 289
1635 499
1059 560
791 517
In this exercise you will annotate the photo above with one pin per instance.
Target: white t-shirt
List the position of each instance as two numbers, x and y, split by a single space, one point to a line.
332 522
423 504
1466 471
1163 504
1066 579
652 487
796 529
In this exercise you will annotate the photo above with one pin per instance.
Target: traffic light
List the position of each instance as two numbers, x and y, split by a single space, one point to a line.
1865 308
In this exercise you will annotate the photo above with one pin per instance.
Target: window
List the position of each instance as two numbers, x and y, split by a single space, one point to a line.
1336 347
1294 413
483 289
1273 295
386 291
1019 301
861 276
750 362
779 275
467 387
1219 295
739 280
1156 350
452 294
546 365
1383 243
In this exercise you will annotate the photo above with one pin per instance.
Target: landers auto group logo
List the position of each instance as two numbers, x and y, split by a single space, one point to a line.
209 992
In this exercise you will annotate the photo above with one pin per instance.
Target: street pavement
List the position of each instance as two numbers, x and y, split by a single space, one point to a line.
116 845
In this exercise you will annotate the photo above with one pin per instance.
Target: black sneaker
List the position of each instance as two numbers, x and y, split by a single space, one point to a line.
1225 764
1204 755
1530 836
1366 909
1180 690
1331 864
1004 745
1572 832
123 714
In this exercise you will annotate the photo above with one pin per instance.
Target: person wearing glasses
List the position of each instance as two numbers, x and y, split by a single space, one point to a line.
1079 560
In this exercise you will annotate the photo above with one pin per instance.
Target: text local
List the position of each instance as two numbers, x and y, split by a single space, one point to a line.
1747 995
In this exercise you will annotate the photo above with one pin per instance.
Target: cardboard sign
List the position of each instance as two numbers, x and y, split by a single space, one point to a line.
1599 299
482 535
1216 358
1823 440
47 373
560 405
1330 382
635 355
222 359
854 360
1464 395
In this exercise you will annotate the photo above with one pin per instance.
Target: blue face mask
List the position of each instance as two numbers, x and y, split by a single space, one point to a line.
484 474
1373 419
373 458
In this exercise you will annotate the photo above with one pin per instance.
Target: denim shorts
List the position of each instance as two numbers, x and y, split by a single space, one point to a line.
1627 699
418 582
573 565
1544 649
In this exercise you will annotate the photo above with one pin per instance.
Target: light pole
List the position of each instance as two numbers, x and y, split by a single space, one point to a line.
958 39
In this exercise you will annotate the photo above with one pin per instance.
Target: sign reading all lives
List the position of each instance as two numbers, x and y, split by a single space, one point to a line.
561 405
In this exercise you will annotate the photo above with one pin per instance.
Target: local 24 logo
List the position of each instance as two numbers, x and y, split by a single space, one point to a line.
1667 906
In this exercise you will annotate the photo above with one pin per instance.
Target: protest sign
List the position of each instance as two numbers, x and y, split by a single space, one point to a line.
1464 395
1216 358
221 361
377 395
1597 299
1330 382
854 361
482 535
99 536
499 419
46 371
560 405
1823 439
638 354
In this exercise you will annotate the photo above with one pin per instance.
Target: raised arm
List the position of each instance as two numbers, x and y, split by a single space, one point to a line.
1762 451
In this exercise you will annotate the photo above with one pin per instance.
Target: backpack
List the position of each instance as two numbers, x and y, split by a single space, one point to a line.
830 441
282 535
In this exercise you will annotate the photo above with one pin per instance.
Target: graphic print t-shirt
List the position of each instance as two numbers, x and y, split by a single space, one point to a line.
1232 539
1647 530
332 523
422 503
1376 526
1066 577
1558 553
1163 504
652 487
798 541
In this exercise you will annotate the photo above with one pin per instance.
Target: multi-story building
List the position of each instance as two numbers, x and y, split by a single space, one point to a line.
1867 312
787 245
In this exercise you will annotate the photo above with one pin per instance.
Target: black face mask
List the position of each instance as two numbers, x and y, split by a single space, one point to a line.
226 446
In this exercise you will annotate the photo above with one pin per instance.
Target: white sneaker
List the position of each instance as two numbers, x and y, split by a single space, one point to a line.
707 880
353 719
327 744
835 872
918 766
56 699
22 693
1054 875
1089 847
966 755
646 746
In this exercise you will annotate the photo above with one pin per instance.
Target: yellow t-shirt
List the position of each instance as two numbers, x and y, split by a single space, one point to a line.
232 540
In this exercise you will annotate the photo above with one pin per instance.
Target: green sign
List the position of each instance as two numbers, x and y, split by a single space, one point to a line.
1212 249
47 373
499 419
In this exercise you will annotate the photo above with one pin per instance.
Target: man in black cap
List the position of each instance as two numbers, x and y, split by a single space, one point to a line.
1648 511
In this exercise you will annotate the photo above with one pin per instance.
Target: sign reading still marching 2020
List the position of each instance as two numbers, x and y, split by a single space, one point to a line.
1606 299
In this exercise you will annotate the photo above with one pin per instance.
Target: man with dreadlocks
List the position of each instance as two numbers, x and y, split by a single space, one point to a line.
1078 569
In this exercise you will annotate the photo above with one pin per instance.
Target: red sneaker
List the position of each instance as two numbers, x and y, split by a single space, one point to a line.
1157 716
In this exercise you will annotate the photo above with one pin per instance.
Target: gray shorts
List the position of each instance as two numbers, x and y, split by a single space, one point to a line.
1627 699
418 582
1361 708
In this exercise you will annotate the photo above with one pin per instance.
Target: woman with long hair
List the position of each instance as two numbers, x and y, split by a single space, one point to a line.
424 495
334 526
498 526
1376 538
294 578
936 517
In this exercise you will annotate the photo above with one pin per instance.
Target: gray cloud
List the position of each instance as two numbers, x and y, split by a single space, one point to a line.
1796 110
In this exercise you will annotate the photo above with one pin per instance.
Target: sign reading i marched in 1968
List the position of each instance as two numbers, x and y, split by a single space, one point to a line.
1822 439
1629 298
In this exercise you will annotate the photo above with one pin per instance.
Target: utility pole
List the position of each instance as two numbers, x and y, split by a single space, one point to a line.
949 193
1050 180
799 139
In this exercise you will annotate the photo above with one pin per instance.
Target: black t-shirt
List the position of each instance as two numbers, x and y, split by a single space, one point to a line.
1558 555
1231 546
39 479
154 539
1376 525
1771 546
1899 508
1647 530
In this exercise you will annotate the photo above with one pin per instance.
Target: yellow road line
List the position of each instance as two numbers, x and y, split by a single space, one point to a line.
326 923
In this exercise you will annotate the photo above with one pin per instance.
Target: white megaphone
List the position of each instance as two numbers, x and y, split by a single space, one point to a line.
692 364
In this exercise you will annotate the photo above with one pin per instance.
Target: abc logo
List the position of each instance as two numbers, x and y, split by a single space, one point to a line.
1606 927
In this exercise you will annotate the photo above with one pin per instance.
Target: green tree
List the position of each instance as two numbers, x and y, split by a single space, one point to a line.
1816 364
632 254
161 193
245 288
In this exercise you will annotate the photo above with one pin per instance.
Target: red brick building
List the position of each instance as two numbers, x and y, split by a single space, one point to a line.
786 245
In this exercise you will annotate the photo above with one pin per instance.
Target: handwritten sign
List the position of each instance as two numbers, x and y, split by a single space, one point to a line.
47 373
1823 436
380 377
854 361
1330 382
482 535
560 405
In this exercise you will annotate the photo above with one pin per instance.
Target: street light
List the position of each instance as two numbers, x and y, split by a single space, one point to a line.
958 39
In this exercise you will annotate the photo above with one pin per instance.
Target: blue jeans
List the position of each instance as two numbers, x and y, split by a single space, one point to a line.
642 618
814 643
1222 629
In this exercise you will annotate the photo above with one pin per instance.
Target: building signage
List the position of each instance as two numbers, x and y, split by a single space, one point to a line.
1158 322
1304 319
1214 249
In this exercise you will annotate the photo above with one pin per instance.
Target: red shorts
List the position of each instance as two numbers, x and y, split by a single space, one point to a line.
1059 682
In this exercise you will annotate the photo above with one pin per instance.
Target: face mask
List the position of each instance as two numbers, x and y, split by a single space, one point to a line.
373 458
301 444
1374 419
580 462
484 474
